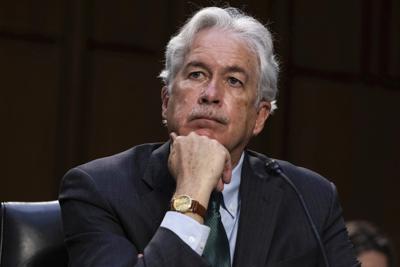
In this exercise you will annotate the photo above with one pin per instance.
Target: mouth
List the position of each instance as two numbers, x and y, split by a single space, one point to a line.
209 119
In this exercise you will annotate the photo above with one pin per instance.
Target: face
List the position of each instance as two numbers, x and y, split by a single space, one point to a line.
214 93
373 258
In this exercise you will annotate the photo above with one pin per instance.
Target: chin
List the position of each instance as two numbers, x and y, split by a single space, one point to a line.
205 132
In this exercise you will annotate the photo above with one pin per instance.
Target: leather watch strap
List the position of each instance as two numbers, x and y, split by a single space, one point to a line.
185 204
198 208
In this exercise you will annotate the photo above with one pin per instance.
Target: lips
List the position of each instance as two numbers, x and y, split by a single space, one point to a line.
208 118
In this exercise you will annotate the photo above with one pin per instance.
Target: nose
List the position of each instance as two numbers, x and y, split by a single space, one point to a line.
212 94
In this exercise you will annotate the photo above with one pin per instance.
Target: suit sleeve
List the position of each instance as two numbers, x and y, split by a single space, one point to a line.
338 246
94 237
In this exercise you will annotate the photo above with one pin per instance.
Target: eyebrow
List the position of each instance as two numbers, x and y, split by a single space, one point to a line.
198 64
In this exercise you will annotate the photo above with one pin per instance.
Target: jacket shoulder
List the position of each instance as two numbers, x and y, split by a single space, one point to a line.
303 178
134 158
114 174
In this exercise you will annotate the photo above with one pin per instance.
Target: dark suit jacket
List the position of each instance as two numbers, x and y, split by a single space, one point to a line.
112 209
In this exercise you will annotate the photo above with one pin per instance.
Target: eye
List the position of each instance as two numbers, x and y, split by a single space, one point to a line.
196 75
234 82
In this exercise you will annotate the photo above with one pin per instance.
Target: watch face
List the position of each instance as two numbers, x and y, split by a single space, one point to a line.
182 203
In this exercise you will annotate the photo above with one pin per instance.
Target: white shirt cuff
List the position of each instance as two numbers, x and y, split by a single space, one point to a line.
189 230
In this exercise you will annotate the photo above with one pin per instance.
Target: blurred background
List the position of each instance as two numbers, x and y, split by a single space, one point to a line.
78 81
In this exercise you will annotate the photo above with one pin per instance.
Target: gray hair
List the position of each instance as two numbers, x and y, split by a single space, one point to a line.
256 35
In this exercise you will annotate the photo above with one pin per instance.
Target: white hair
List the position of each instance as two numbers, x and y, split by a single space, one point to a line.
256 35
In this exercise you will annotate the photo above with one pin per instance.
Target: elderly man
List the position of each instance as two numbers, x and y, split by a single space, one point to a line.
201 198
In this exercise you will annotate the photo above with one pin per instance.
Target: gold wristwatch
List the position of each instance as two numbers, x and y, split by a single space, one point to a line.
185 203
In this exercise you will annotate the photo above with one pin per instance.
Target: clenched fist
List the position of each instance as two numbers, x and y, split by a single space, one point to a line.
199 165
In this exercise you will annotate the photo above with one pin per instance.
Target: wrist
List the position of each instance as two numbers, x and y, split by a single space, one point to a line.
189 206
201 198
198 192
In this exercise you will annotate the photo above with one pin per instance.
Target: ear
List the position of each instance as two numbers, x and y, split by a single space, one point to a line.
164 101
263 111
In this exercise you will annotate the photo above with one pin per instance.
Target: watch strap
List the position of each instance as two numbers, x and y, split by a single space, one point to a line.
195 207
198 208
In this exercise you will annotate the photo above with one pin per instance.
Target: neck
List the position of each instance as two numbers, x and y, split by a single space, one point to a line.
235 158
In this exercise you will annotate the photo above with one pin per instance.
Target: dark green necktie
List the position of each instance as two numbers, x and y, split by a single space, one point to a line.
217 250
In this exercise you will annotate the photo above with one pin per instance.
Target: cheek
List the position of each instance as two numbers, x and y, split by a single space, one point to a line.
179 107
245 114
240 109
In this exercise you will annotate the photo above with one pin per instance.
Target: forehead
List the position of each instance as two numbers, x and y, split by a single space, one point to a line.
222 48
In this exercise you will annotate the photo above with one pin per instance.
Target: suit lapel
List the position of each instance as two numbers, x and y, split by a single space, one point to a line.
260 196
161 183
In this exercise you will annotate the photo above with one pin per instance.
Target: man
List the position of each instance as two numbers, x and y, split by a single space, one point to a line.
220 87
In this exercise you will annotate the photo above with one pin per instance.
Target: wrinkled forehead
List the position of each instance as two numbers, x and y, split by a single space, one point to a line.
225 47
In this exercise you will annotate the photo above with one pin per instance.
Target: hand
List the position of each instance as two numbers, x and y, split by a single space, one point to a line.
199 165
